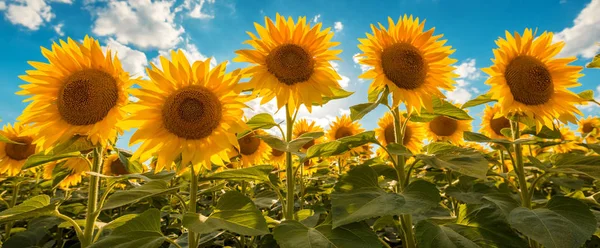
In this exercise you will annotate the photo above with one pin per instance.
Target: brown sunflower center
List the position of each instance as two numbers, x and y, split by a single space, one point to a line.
249 144
587 127
390 135
192 112
290 64
20 152
404 65
443 126
343 132
276 153
87 96
118 168
529 80
497 124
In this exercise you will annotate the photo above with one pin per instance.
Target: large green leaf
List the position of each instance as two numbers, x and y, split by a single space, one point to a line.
466 161
340 146
563 223
41 159
486 226
431 235
291 234
358 197
258 173
358 111
573 163
149 189
234 212
338 93
481 99
33 207
262 120
143 231
441 107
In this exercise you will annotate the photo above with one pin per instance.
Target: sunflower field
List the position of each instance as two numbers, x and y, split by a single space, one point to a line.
199 173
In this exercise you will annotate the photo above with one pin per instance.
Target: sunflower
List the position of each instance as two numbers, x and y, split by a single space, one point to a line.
77 166
569 141
253 150
113 166
443 128
493 122
343 127
590 128
81 91
13 156
277 158
305 126
186 110
527 79
477 147
413 134
291 62
414 64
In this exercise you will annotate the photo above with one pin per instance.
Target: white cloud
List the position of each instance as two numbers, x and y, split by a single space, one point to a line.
63 1
58 29
191 53
580 38
468 70
196 8
459 95
316 18
356 58
143 23
338 26
28 13
133 61
344 111
345 81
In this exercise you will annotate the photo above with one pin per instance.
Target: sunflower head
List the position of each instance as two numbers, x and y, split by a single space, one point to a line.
526 78
113 166
493 122
569 141
13 156
80 91
305 126
413 133
443 128
343 127
590 128
413 63
76 168
253 150
291 62
187 110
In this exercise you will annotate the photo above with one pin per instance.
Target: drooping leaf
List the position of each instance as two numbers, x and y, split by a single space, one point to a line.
486 226
41 159
234 212
338 93
587 95
291 233
441 108
420 196
7 140
574 163
258 173
431 235
562 223
33 207
149 189
466 161
262 120
358 111
119 221
340 146
397 149
142 231
481 99
274 142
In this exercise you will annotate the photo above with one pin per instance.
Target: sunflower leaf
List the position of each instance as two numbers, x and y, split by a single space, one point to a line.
340 146
481 99
257 173
338 93
587 95
33 207
7 140
466 161
41 159
441 108
149 189
141 231
595 62
573 163
358 111
291 233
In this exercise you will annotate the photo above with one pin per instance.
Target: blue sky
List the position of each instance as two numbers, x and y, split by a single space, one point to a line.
140 30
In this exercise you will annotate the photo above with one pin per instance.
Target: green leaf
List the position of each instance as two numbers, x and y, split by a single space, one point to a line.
41 159
142 231
420 196
274 142
466 161
481 99
33 207
397 149
338 93
119 221
291 234
441 107
258 173
595 62
340 146
545 133
587 95
149 189
477 137
259 121
486 226
574 163
30 238
563 223
305 138
7 140
234 212
59 173
430 235
358 111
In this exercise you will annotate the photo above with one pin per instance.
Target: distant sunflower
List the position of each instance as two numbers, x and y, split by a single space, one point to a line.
304 126
76 167
13 156
527 79
343 127
253 150
590 128
413 134
493 122
477 147
443 128
413 63
186 110
569 141
81 91
277 157
113 166
291 62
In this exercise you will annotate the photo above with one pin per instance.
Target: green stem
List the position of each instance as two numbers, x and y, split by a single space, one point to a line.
78 230
406 219
13 202
174 243
301 179
193 242
289 169
503 168
279 195
519 166
92 206
534 183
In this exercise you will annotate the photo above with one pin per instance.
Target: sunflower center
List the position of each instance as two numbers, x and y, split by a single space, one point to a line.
249 144
290 64
87 96
343 132
529 80
20 152
497 124
192 112
118 168
390 135
276 153
443 126
404 65
587 127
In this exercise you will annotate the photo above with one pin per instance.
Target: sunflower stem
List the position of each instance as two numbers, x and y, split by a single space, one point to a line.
406 219
301 179
519 166
90 216
13 202
193 242
289 169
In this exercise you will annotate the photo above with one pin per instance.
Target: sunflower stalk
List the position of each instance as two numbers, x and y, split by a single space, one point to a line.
13 202
92 206
193 242
406 219
289 169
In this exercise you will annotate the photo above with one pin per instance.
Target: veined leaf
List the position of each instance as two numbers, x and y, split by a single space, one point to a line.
441 107
595 62
481 99
33 207
431 235
258 173
149 189
7 140
340 146
573 163
291 234
142 231
462 160
337 94
358 111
